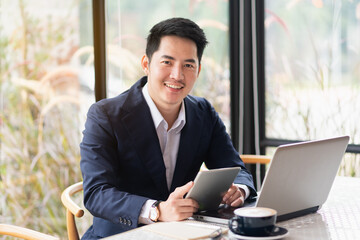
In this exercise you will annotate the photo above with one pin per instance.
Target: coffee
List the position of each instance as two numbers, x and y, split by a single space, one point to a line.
255 212
256 221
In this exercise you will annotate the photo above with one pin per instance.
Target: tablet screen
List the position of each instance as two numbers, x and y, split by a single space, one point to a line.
210 186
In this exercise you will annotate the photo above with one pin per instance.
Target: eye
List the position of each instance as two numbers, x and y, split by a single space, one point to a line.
166 62
188 65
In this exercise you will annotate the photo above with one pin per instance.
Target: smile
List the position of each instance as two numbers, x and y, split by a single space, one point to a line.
173 86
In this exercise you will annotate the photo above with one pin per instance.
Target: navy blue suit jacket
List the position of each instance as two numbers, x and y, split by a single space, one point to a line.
122 163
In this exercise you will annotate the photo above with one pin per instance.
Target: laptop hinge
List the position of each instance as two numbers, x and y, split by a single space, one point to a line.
296 214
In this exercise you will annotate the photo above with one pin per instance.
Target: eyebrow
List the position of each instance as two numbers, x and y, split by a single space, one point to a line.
172 58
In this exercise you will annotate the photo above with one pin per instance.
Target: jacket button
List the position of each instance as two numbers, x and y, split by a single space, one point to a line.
120 219
129 222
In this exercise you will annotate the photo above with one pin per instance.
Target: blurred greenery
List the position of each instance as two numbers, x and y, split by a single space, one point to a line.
312 72
39 119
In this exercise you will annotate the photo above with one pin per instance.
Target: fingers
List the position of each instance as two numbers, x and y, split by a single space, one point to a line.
176 207
181 191
237 202
234 197
229 193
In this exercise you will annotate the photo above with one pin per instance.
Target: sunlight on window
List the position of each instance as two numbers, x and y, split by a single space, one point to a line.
127 28
312 70
45 47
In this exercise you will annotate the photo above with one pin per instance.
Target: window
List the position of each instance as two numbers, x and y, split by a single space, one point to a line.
46 81
312 61
128 24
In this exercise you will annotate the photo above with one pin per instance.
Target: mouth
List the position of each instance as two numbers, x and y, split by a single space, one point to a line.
172 86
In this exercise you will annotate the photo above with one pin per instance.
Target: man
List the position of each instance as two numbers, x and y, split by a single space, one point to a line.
142 149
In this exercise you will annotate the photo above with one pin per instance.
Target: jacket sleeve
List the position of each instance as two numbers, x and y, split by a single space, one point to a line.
103 194
221 152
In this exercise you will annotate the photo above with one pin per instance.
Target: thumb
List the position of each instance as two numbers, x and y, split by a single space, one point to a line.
181 191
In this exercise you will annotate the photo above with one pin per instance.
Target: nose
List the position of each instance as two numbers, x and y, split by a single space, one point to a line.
177 72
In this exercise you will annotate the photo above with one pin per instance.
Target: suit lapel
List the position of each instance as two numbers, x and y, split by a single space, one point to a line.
189 141
141 129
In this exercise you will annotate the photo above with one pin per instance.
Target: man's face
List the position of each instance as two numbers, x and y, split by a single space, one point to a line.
172 72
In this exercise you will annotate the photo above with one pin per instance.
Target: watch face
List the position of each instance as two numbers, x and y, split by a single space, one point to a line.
153 214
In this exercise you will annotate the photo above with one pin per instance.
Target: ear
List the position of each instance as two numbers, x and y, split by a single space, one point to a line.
145 64
199 69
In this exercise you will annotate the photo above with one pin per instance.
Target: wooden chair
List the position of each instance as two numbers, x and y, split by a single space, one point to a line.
253 159
72 209
24 233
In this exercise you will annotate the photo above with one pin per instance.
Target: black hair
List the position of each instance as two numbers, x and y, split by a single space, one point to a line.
180 27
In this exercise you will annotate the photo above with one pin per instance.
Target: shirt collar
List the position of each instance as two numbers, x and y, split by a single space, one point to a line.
158 118
181 119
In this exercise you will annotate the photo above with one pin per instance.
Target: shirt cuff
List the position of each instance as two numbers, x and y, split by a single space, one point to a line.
145 211
245 188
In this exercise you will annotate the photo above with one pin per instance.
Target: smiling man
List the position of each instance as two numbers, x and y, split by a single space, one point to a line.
142 149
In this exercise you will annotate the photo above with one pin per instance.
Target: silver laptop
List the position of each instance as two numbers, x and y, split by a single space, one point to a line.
298 180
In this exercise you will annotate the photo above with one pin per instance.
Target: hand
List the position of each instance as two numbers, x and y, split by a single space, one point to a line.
176 207
234 197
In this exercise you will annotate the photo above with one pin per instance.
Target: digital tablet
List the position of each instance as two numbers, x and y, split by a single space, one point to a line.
210 186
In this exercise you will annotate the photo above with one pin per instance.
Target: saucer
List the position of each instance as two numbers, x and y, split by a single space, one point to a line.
277 233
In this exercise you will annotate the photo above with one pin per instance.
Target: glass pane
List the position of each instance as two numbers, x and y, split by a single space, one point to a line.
127 28
46 78
312 69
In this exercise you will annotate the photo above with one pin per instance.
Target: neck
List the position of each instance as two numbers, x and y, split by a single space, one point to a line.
169 114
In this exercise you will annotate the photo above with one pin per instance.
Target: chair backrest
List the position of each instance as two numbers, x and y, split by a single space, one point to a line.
24 233
72 209
253 159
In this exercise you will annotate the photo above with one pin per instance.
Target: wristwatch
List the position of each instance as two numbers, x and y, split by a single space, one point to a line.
154 211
